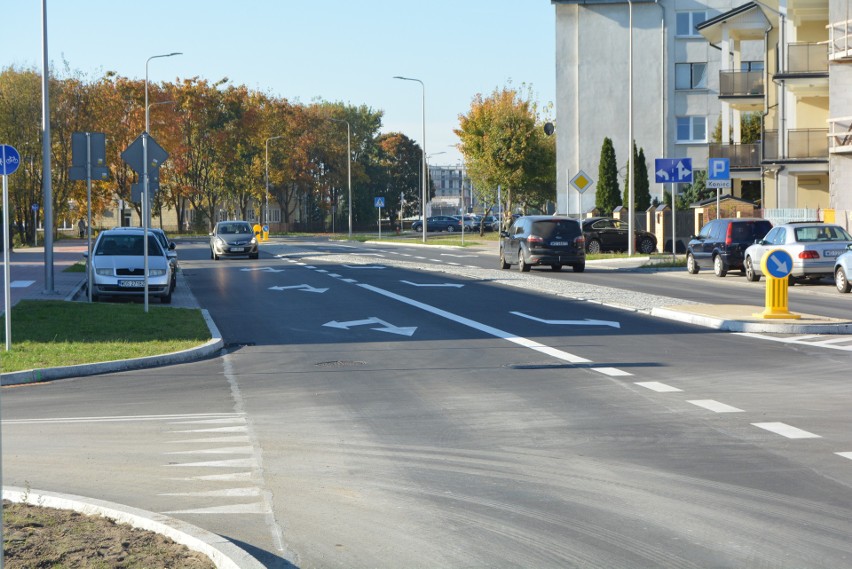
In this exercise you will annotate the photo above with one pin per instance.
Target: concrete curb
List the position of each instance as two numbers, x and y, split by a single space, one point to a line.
199 352
752 326
221 551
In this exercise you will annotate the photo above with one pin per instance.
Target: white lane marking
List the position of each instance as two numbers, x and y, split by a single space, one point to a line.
453 264
301 287
230 463
446 285
786 430
223 450
254 508
565 356
585 322
226 493
612 371
203 417
386 326
237 439
321 270
365 267
351 281
20 284
715 406
231 477
458 256
805 337
833 341
242 429
657 386
845 454
224 421
797 340
335 275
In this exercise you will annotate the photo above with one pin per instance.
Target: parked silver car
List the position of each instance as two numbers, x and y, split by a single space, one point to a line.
842 271
167 245
233 239
117 265
813 246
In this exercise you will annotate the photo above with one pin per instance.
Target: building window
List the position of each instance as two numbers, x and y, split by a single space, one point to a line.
686 22
690 76
751 66
692 129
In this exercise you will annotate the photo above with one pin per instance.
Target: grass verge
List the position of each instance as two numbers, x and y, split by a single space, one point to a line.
51 333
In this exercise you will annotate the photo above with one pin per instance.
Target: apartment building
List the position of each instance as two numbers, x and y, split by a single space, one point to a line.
453 193
675 102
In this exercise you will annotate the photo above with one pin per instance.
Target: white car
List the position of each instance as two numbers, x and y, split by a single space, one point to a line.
117 265
813 246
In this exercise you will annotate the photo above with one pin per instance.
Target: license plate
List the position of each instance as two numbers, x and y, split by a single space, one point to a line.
237 249
558 243
833 252
131 284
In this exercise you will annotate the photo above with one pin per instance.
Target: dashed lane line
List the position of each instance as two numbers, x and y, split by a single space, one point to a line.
715 406
786 430
657 386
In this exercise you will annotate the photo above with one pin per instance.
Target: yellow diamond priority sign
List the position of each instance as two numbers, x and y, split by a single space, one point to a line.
582 181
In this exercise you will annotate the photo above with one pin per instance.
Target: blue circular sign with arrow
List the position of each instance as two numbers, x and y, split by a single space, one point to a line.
778 263
10 159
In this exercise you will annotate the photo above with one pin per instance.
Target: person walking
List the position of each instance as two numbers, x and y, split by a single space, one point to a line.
81 225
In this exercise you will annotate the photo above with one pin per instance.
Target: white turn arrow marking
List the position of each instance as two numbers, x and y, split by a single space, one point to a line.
386 326
782 267
586 322
364 266
263 269
446 285
304 287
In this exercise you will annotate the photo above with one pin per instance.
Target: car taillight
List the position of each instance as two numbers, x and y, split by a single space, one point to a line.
809 255
535 240
729 236
580 241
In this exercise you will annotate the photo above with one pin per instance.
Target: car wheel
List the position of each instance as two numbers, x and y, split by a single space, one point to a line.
719 266
556 268
594 247
503 264
579 267
522 264
451 228
791 280
750 274
647 246
691 265
254 255
840 281
212 256
166 299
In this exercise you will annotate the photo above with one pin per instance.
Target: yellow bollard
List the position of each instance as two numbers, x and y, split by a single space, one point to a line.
776 267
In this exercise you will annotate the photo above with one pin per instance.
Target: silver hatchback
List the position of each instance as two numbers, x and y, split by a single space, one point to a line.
814 248
233 239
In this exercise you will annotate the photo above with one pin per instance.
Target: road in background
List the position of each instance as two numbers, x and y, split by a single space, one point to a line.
366 414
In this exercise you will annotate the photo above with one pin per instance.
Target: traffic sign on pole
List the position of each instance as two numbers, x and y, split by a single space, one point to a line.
719 169
133 155
10 159
673 170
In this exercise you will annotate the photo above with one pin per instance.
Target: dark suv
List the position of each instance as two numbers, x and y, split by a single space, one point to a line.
543 240
721 243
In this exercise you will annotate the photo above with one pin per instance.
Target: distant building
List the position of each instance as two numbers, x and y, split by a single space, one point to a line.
449 198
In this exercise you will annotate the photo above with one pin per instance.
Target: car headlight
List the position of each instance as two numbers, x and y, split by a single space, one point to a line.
220 242
156 272
104 272
253 240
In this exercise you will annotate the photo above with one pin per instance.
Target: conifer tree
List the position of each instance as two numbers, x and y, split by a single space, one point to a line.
607 196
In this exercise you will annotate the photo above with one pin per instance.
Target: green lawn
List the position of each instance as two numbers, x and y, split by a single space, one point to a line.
51 333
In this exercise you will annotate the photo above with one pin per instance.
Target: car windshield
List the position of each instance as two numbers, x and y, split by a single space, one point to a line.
112 245
550 228
235 228
816 233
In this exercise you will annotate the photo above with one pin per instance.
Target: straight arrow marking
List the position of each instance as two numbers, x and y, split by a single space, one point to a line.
586 322
445 285
263 269
386 326
302 287
364 266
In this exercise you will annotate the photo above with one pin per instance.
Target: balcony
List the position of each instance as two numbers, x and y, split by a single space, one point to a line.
741 156
807 58
840 41
807 144
737 84
840 135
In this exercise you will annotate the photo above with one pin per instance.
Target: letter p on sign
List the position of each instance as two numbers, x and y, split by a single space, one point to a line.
720 169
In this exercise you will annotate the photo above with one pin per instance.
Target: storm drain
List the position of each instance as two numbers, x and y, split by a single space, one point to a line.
340 363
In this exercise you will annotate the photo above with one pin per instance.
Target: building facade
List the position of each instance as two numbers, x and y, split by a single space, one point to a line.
453 192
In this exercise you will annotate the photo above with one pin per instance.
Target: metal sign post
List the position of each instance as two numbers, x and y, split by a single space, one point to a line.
380 203
88 156
10 162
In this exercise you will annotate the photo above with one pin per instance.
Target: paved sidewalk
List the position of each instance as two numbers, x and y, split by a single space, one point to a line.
27 272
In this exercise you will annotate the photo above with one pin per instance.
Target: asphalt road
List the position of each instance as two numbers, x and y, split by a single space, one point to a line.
368 413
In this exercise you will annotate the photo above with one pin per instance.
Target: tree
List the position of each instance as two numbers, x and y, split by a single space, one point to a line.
503 143
607 196
642 186
396 171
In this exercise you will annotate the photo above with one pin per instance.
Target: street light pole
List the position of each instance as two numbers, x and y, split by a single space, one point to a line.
146 206
348 166
631 168
425 177
267 175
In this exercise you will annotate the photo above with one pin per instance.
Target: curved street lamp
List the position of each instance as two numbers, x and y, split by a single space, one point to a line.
425 193
348 166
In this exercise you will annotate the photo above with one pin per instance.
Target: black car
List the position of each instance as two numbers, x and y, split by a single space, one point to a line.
543 240
438 223
609 234
721 244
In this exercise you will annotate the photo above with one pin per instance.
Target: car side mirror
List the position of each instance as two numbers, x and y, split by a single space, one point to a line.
504 234
172 246
849 246
86 254
210 234
693 236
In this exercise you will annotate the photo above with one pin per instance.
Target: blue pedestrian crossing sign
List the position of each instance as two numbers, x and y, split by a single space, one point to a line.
673 170
378 202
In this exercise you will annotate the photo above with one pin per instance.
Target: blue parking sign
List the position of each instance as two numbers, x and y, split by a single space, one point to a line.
719 169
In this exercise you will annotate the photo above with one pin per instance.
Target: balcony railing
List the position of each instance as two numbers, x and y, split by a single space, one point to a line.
740 155
807 58
840 134
840 40
802 144
741 83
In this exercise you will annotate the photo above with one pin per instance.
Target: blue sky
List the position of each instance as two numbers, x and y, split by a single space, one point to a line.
303 50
